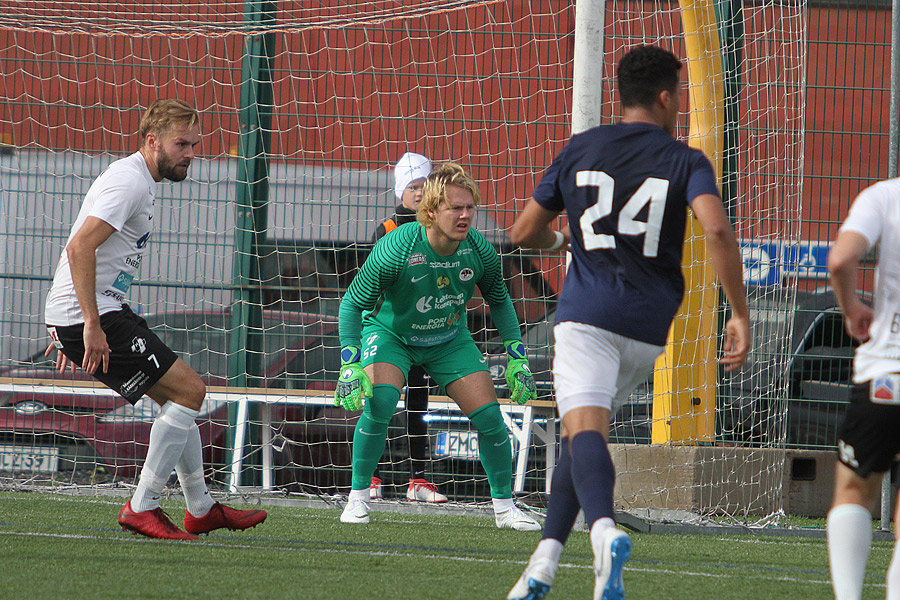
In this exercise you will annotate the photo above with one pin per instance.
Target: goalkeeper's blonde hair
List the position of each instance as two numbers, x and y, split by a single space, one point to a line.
163 114
435 191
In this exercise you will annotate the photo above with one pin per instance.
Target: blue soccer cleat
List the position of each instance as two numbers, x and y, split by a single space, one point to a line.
609 562
535 581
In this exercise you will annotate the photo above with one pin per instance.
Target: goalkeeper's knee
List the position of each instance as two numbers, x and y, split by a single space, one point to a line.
383 404
488 420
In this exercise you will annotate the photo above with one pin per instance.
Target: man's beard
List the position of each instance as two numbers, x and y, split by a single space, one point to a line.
169 170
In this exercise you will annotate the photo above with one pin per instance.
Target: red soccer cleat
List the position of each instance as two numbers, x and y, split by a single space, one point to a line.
152 523
220 516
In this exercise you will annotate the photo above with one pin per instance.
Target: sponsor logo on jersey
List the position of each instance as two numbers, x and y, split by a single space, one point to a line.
437 264
466 274
142 241
437 323
423 305
464 251
443 281
114 294
432 339
134 261
416 259
123 281
418 279
427 303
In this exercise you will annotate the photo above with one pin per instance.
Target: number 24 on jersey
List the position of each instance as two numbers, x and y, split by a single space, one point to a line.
653 192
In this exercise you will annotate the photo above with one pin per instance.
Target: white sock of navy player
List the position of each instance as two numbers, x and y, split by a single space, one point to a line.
167 439
849 532
190 475
893 575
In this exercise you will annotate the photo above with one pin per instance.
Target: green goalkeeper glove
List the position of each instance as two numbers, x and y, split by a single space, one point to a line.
518 374
354 386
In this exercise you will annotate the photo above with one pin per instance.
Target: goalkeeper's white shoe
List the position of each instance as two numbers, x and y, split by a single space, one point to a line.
355 511
535 581
609 562
514 518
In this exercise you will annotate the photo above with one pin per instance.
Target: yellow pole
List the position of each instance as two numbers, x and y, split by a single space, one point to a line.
684 382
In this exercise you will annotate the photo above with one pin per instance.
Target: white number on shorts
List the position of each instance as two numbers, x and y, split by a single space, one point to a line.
152 358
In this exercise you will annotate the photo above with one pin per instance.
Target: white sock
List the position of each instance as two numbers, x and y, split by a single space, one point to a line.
893 575
501 505
190 474
598 530
167 439
849 542
359 495
549 548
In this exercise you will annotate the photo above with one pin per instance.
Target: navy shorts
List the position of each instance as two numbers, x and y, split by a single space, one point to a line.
867 439
137 358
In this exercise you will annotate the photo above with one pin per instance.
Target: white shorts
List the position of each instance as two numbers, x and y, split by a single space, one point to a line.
595 367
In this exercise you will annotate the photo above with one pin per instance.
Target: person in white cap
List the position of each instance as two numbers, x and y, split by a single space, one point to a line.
409 183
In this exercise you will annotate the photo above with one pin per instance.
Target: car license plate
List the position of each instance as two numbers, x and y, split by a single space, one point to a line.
28 458
457 444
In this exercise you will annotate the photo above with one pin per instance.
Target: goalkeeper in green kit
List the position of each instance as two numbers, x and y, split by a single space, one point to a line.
407 306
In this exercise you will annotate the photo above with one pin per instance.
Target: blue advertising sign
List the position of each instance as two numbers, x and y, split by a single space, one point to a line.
807 259
768 263
762 263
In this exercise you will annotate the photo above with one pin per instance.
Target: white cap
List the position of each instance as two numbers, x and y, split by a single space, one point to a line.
410 167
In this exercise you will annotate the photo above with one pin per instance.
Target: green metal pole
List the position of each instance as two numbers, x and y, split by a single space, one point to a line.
730 17
245 349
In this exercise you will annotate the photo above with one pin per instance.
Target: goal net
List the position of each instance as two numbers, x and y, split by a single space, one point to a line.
304 112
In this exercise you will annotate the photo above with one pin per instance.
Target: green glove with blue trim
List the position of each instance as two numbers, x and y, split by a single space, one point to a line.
354 386
518 374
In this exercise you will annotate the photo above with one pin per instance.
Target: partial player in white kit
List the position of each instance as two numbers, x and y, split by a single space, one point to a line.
869 437
90 325
625 189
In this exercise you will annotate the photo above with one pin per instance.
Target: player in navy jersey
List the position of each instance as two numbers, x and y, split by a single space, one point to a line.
625 189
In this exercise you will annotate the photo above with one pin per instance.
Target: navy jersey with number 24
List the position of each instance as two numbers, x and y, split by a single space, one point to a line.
625 188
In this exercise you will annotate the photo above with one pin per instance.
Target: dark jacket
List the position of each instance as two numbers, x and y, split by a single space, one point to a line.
402 215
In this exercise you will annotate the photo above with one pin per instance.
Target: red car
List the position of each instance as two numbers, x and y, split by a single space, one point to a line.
91 434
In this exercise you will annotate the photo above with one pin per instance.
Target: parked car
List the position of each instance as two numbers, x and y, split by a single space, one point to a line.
75 429
630 424
814 359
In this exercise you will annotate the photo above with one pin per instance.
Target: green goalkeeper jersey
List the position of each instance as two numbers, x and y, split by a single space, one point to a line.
407 288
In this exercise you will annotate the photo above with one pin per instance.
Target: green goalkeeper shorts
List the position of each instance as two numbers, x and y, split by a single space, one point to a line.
445 363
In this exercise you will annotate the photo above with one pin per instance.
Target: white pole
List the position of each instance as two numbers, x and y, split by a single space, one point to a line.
5 241
587 85
587 69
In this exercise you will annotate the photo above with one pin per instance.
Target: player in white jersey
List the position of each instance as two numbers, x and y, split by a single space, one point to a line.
625 188
90 325
869 437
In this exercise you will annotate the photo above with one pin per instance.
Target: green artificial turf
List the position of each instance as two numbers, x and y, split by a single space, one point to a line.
54 546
